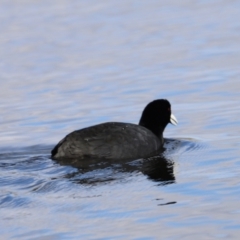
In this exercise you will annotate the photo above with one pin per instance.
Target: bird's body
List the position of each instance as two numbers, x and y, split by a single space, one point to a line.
115 140
112 140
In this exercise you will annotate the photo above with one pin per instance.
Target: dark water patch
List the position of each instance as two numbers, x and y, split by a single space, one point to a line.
33 171
168 203
11 200
47 186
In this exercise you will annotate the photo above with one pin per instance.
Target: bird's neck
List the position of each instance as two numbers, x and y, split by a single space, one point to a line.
156 129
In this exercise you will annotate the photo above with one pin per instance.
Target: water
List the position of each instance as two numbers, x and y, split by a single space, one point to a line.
66 65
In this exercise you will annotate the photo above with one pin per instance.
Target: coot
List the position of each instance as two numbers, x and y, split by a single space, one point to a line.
115 140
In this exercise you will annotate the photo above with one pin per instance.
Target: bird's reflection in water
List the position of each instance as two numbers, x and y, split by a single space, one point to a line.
97 171
159 169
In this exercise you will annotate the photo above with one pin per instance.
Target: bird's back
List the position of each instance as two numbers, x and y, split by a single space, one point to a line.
111 140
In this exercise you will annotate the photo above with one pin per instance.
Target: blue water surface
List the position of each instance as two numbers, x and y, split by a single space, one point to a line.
66 65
